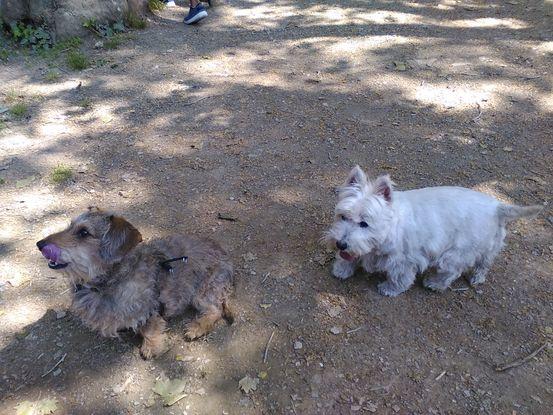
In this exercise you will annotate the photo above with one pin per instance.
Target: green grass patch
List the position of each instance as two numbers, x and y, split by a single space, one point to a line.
77 60
52 76
4 54
85 103
156 5
19 109
113 42
134 21
2 181
61 174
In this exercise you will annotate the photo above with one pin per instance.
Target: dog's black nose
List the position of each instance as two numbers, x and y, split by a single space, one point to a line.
41 244
341 245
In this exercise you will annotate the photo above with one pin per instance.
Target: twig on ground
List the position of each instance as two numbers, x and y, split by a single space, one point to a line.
460 289
265 278
267 347
354 330
479 113
293 406
55 366
187 104
441 375
521 361
223 216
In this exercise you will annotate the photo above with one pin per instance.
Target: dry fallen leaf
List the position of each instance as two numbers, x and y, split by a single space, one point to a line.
171 391
43 407
265 305
248 384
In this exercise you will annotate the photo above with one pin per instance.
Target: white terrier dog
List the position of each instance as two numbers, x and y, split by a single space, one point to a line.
451 229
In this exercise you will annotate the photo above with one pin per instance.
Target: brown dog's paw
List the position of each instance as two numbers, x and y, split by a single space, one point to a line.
194 330
146 352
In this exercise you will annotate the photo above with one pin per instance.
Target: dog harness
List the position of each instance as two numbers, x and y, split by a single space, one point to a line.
165 264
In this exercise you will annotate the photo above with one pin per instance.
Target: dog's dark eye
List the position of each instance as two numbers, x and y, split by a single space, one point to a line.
363 224
343 217
83 233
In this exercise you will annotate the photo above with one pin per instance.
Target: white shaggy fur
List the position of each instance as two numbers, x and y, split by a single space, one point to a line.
451 229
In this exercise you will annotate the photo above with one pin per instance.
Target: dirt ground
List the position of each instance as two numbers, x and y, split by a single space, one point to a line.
258 113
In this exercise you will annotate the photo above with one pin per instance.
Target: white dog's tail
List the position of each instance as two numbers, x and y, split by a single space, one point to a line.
508 213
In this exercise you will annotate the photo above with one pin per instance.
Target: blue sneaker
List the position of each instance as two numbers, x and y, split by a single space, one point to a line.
196 14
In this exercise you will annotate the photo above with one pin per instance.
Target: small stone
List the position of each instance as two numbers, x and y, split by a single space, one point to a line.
334 311
298 345
371 407
56 372
249 257
396 408
60 314
508 149
336 330
201 391
355 408
99 45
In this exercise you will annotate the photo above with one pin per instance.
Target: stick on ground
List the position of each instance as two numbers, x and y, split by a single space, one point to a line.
521 361
267 347
55 366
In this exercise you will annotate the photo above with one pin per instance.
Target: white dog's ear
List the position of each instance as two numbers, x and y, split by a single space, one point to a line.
356 176
383 186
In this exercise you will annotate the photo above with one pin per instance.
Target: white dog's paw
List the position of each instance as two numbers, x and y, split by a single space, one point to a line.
388 289
342 269
435 284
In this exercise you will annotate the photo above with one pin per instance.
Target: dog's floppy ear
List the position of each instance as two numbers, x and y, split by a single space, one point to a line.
383 186
356 176
120 238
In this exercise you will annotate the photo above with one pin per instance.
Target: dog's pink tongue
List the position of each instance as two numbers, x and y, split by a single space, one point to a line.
51 252
346 256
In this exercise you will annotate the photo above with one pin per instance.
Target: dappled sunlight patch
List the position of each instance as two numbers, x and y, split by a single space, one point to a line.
288 196
545 102
452 96
16 141
486 22
497 189
264 15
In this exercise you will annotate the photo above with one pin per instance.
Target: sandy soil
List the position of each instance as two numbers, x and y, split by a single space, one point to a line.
258 113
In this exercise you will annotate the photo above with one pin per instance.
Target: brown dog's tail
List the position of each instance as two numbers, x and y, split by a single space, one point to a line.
227 314
508 213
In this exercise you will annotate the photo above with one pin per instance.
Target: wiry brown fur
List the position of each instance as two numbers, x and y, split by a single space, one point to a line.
124 286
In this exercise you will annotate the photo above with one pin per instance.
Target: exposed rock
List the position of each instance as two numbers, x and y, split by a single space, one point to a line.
65 18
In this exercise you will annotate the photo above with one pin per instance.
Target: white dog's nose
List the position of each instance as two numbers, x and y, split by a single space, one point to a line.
341 245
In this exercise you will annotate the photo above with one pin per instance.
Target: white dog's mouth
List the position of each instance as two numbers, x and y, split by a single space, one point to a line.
347 256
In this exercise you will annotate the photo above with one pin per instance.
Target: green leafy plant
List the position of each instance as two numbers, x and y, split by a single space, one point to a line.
103 29
61 174
156 5
77 60
37 38
4 54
